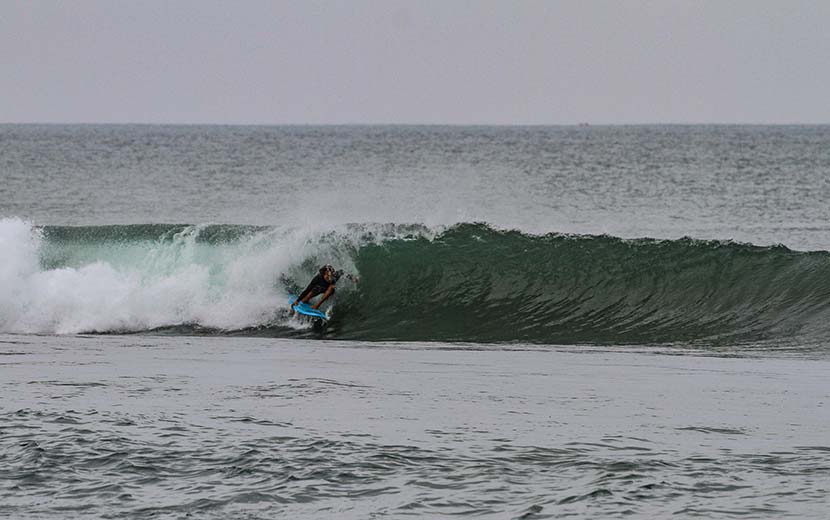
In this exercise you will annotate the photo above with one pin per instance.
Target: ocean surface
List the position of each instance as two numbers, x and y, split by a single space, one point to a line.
549 322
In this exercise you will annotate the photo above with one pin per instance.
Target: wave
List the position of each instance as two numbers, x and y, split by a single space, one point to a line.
466 283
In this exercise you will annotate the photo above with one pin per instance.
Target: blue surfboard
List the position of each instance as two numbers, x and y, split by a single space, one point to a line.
306 310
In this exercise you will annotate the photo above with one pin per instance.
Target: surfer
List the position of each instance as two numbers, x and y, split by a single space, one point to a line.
322 283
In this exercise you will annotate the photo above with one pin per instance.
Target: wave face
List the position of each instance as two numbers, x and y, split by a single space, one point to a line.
474 283
467 283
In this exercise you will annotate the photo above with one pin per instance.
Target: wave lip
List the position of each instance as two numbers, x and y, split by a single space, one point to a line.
466 283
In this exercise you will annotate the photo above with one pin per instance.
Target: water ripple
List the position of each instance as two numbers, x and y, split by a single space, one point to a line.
94 467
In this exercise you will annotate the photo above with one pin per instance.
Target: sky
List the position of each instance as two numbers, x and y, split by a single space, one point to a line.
415 62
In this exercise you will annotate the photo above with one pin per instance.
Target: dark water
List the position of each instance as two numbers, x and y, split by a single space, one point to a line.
147 427
756 184
549 322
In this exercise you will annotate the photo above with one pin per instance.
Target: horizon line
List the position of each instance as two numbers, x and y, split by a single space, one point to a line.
581 124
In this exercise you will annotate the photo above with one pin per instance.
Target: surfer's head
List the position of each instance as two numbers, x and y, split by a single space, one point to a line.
328 272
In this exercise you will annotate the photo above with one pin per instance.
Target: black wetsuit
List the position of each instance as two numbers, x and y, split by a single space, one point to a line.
318 285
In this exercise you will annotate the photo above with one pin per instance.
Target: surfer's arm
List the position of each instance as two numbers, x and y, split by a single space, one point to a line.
325 297
339 274
348 276
306 292
300 297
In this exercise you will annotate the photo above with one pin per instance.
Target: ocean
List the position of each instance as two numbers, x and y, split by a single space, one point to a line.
548 322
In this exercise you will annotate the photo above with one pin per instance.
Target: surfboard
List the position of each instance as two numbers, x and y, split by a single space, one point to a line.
306 310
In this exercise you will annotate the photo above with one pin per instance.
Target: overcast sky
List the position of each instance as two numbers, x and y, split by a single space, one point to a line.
446 61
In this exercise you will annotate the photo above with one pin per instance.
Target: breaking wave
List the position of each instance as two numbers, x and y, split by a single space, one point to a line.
466 283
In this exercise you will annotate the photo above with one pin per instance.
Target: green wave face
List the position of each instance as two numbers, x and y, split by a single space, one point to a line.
468 283
474 283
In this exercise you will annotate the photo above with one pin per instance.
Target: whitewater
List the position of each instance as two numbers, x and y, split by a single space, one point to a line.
549 321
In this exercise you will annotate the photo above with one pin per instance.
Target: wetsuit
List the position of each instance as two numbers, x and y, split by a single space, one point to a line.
318 285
